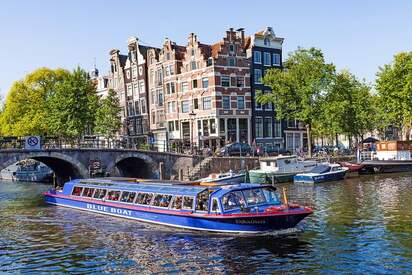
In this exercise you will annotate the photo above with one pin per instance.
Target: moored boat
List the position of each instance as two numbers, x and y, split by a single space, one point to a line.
322 173
279 169
352 167
230 208
229 177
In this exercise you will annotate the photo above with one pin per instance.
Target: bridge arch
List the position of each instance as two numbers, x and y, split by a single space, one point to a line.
64 166
134 165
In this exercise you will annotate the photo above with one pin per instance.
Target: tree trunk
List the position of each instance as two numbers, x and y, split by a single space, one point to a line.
308 131
337 140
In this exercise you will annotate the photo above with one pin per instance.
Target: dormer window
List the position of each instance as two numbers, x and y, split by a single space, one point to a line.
231 48
193 52
209 61
266 42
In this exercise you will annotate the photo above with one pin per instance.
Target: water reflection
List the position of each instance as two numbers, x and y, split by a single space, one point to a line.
360 225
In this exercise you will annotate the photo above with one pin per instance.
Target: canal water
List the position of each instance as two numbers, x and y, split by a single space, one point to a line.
361 225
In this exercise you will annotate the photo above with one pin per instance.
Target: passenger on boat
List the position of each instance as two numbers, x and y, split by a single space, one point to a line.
203 201
177 203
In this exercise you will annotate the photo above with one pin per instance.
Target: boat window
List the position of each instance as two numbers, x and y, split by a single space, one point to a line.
88 192
271 195
144 198
113 195
188 203
128 196
215 206
254 196
233 200
99 193
161 200
202 201
77 191
177 202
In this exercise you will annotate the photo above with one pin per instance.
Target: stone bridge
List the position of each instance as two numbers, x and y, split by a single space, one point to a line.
84 163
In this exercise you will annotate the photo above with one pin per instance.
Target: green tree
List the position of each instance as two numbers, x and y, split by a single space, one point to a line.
108 120
297 91
348 107
25 111
394 89
73 105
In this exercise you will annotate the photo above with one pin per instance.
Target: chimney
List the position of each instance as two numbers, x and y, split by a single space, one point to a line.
240 34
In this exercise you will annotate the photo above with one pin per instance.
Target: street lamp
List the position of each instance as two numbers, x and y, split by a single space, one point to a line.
192 118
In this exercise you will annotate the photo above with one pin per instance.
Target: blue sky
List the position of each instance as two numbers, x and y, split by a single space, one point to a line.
355 35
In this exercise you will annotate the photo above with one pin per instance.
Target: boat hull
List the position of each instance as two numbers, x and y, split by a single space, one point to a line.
310 178
386 166
235 223
270 177
234 179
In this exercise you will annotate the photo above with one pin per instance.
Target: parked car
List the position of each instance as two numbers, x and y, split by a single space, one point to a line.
235 149
267 150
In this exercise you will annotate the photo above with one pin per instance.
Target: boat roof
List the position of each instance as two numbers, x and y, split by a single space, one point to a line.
160 187
278 157
320 169
150 187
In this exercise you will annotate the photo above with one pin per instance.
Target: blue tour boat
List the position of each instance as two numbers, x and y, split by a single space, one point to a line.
322 173
230 208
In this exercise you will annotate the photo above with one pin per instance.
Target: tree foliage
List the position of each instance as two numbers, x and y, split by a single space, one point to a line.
108 120
26 109
298 90
73 105
394 89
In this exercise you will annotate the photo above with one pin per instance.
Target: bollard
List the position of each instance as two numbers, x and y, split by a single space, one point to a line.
181 174
161 172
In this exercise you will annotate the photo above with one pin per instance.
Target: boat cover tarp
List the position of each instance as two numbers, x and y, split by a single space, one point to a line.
320 169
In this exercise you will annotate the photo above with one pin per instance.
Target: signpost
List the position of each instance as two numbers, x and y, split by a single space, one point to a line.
32 143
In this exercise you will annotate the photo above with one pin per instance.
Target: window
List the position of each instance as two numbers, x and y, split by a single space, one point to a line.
205 82
195 103
226 102
99 193
257 58
184 86
161 200
160 97
137 107
267 129
159 77
225 81
266 41
254 196
188 203
171 125
129 90
128 74
258 76
212 126
233 200
240 81
231 61
128 196
241 102
202 201
231 47
77 191
171 107
177 125
207 103
141 86
278 129
215 206
276 59
143 105
185 106
222 125
177 203
88 192
259 127
170 88
271 195
134 72
194 83
193 65
113 195
266 59
144 198
291 123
